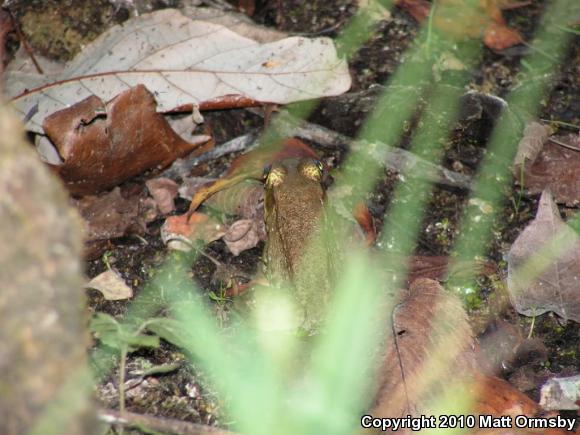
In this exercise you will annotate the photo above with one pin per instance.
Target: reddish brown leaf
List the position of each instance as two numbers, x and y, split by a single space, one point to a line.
557 168
418 9
499 37
179 232
103 145
434 350
458 20
496 397
366 222
109 216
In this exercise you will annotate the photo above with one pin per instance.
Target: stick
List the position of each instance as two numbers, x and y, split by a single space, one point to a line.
167 425
395 159
182 167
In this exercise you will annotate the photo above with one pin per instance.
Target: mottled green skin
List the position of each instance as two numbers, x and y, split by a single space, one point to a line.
295 253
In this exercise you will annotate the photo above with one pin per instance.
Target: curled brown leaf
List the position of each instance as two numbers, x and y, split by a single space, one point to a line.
104 144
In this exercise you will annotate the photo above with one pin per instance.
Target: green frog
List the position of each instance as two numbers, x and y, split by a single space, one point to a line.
296 253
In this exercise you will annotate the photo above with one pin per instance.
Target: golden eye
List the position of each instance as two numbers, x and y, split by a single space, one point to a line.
275 176
311 169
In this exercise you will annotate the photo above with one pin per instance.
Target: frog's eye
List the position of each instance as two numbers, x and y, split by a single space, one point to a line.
311 169
266 171
275 176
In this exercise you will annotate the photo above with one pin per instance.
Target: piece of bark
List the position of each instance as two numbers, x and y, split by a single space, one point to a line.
42 325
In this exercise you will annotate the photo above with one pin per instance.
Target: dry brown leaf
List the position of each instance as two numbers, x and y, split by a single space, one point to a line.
109 216
111 285
556 168
498 346
241 235
100 152
163 191
557 288
458 20
496 397
179 232
532 142
435 350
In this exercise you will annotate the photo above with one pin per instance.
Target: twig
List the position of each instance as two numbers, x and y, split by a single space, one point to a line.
563 144
395 159
167 425
182 167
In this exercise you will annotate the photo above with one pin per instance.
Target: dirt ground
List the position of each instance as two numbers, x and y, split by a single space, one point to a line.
182 393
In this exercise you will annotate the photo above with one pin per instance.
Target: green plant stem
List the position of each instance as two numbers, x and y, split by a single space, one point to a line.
122 367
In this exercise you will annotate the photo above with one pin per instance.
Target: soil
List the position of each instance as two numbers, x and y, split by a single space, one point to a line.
183 393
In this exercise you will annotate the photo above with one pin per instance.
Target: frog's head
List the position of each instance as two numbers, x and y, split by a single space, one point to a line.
295 252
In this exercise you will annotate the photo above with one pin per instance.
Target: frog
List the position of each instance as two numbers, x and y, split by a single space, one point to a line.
293 181
296 253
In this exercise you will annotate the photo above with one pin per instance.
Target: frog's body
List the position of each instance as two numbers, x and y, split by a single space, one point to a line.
295 252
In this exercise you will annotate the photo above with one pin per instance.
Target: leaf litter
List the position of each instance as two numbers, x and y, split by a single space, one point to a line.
105 100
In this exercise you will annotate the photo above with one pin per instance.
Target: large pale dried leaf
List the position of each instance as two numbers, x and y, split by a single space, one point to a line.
435 349
557 288
100 152
234 21
558 169
184 61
